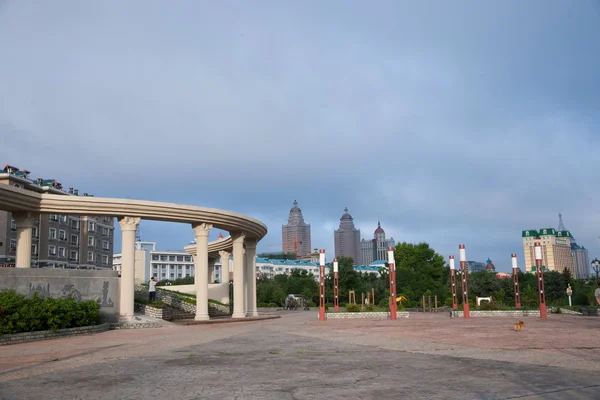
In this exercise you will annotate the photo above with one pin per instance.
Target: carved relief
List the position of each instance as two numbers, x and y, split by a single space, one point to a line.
41 290
106 301
129 223
70 291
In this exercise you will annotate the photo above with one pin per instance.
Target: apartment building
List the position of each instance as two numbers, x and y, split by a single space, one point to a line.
58 241
556 249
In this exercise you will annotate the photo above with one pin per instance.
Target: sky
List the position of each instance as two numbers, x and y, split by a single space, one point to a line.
451 122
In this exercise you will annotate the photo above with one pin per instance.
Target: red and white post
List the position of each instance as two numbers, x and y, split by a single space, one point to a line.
392 264
336 301
540 279
453 282
322 285
465 284
515 269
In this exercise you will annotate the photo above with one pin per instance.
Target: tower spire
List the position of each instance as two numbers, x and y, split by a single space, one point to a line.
561 226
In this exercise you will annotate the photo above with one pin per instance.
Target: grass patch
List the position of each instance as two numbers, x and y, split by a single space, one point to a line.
273 351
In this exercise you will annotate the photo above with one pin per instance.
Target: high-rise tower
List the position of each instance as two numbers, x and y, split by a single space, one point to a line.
295 236
347 238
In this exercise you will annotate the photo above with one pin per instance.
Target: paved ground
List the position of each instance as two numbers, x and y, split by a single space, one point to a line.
297 357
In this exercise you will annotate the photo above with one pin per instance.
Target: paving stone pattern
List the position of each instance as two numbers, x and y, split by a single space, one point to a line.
365 315
25 337
497 313
294 357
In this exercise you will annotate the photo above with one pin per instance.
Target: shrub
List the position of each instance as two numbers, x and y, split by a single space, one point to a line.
23 314
352 307
487 306
155 304
370 307
312 304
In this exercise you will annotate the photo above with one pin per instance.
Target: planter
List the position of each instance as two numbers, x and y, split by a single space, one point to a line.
44 335
364 315
497 313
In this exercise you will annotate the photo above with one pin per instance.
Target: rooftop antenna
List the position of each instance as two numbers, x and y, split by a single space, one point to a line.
561 226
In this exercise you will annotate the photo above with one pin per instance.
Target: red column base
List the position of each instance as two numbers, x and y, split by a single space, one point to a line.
454 306
466 313
543 311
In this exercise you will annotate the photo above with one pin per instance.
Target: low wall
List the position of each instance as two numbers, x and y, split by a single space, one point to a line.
365 315
216 291
497 313
59 333
166 313
81 284
174 300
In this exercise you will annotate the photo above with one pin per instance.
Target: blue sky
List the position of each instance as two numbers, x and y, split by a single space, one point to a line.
460 122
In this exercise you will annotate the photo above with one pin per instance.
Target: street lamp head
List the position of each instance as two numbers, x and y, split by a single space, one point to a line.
335 265
322 257
462 253
596 262
451 262
391 255
538 251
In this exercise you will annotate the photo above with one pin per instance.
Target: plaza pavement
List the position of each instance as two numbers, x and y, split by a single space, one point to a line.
425 356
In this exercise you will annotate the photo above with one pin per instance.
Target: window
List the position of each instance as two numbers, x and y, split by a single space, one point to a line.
52 234
91 226
53 217
179 258
62 235
91 241
74 224
171 258
90 256
34 249
51 250
73 255
104 260
13 244
13 225
74 240
34 232
105 245
105 231
62 252
154 257
63 219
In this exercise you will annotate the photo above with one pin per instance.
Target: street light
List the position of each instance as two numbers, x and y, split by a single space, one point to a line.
322 285
540 278
596 267
336 304
392 264
465 285
453 282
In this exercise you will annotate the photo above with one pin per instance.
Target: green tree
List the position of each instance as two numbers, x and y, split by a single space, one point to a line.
419 269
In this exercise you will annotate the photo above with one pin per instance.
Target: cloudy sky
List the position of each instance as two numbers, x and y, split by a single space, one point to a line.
452 122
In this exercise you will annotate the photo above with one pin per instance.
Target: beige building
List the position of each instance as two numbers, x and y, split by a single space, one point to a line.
58 241
295 236
556 249
347 239
376 249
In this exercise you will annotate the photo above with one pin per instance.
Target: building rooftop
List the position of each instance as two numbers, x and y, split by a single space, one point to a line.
41 184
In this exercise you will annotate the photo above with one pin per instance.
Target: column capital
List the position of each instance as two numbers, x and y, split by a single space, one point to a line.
25 219
250 243
238 237
224 254
129 223
202 229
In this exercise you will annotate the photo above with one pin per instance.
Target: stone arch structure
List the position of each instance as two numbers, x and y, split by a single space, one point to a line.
245 232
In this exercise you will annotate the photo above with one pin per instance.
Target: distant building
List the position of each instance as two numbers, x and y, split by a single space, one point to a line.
556 249
58 241
376 248
489 266
268 268
347 238
475 266
295 236
163 265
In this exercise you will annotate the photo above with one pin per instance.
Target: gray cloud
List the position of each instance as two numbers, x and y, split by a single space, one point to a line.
451 124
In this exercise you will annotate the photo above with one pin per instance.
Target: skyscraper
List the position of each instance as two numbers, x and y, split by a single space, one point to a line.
347 239
295 236
376 248
556 249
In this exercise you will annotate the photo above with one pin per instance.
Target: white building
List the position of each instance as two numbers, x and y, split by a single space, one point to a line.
163 265
268 268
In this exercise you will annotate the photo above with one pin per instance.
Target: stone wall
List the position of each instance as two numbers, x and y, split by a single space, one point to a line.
176 300
497 313
101 286
59 333
216 291
365 315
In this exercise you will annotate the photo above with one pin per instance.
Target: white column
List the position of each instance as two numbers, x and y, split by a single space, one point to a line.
25 223
128 228
224 265
238 275
251 277
201 271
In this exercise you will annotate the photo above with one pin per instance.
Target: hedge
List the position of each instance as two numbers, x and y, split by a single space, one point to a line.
19 313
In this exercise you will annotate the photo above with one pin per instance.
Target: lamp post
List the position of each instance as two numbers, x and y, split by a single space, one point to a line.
515 268
392 264
465 284
569 293
596 268
322 285
453 282
540 279
336 303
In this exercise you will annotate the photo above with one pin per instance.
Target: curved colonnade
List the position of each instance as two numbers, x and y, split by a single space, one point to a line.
245 232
